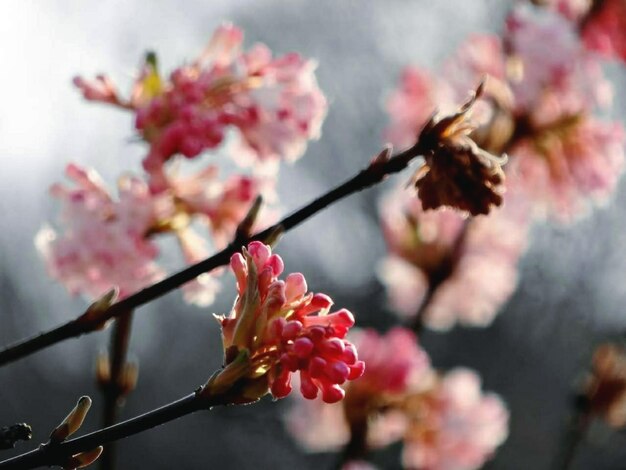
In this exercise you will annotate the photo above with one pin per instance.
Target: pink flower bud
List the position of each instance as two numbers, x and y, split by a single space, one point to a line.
302 347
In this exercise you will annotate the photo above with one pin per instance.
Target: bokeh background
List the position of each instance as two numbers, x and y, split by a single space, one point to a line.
573 279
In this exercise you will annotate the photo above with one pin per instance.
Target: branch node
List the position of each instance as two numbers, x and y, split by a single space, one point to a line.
9 435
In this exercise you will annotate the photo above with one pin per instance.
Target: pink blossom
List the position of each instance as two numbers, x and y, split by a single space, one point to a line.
455 426
280 330
418 94
410 106
102 242
464 269
395 366
479 56
275 103
105 242
222 204
567 169
202 290
605 29
563 73
573 10
394 361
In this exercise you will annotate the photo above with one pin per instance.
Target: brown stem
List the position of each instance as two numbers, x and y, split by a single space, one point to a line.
574 434
438 277
356 448
417 324
113 389
57 454
370 176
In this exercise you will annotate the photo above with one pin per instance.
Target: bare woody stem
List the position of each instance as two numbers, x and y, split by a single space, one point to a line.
113 390
438 278
356 448
370 176
57 454
574 433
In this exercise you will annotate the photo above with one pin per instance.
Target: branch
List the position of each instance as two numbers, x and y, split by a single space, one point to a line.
58 453
373 174
574 434
115 382
437 278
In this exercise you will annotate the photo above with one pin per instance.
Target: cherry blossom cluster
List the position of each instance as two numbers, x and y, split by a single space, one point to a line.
274 103
537 103
444 420
277 329
602 22
104 240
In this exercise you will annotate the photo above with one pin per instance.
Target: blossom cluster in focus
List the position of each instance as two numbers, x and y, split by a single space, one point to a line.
277 329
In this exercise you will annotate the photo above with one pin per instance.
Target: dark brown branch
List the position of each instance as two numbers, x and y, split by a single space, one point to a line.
114 388
574 433
57 454
356 448
370 176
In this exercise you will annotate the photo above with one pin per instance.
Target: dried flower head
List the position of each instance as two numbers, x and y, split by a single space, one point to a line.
457 173
276 329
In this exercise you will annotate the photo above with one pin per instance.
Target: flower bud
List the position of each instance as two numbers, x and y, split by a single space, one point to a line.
73 421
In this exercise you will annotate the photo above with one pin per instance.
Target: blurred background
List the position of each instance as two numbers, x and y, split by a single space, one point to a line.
573 279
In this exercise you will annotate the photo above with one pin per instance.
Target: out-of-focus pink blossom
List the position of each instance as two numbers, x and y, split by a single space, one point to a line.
605 29
275 103
479 56
567 168
102 242
396 365
221 203
418 94
446 422
202 290
563 73
464 269
410 106
394 361
455 426
276 329
573 10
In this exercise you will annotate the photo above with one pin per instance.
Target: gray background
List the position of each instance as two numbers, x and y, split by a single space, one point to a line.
572 288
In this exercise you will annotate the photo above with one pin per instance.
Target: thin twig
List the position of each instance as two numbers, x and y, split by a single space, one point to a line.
438 277
373 174
57 454
574 434
114 389
356 448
